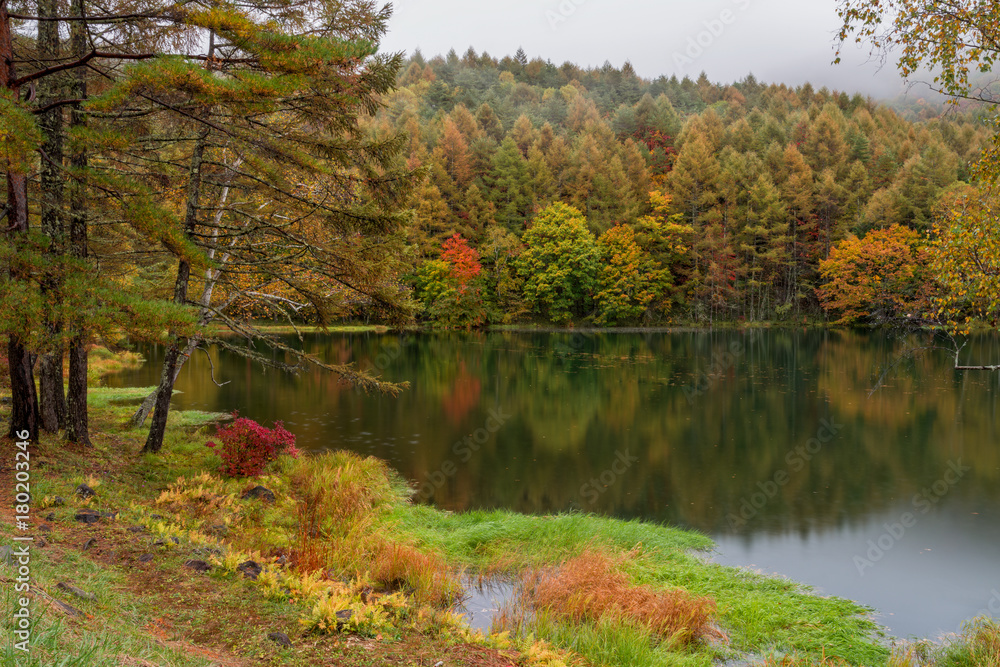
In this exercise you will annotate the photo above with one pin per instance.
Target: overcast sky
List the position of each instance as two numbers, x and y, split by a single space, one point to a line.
780 41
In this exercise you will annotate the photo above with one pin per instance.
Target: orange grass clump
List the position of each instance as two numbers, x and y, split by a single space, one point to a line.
591 587
306 555
396 565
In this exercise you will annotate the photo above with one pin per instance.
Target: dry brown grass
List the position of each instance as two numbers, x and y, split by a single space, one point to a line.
389 564
906 656
396 565
308 556
592 587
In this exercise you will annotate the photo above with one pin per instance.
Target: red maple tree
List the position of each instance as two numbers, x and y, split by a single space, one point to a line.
463 259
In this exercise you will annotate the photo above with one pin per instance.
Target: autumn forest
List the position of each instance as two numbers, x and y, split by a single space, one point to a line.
560 194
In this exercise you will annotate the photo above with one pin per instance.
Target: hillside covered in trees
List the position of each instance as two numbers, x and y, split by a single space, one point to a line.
676 200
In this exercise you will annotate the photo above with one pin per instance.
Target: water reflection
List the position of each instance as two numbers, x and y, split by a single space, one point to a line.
766 440
484 601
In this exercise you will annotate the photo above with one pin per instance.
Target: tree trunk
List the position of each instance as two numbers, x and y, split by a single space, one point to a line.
157 429
51 392
140 415
77 430
154 441
24 414
211 278
24 408
52 396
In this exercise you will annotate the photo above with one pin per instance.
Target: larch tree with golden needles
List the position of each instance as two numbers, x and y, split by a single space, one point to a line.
293 206
218 170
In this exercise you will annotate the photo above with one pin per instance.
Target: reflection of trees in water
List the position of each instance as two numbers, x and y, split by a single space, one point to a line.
463 397
576 400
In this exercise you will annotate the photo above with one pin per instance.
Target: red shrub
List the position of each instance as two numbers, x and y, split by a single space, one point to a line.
247 446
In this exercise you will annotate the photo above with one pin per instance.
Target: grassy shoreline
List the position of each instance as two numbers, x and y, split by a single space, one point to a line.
395 566
582 328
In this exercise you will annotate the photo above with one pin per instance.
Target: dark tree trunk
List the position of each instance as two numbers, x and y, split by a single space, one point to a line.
24 408
51 392
24 413
77 430
158 427
24 400
52 395
139 416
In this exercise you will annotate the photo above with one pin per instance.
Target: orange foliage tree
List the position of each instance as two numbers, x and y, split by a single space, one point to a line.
448 288
464 260
876 278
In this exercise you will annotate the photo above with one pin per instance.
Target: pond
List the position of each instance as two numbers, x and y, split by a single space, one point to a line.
767 440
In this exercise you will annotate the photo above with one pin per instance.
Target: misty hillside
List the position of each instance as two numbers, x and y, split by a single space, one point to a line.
768 178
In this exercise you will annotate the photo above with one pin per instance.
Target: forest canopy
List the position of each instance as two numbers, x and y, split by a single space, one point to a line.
734 195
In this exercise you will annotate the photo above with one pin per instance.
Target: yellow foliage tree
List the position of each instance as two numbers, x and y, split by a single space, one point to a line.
966 261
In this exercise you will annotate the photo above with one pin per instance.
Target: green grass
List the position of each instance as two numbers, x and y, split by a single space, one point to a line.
761 616
979 645
61 641
607 643
758 613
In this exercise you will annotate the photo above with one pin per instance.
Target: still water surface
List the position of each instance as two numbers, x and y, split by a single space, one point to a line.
767 441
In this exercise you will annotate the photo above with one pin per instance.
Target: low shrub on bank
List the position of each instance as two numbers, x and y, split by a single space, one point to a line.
341 491
247 447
